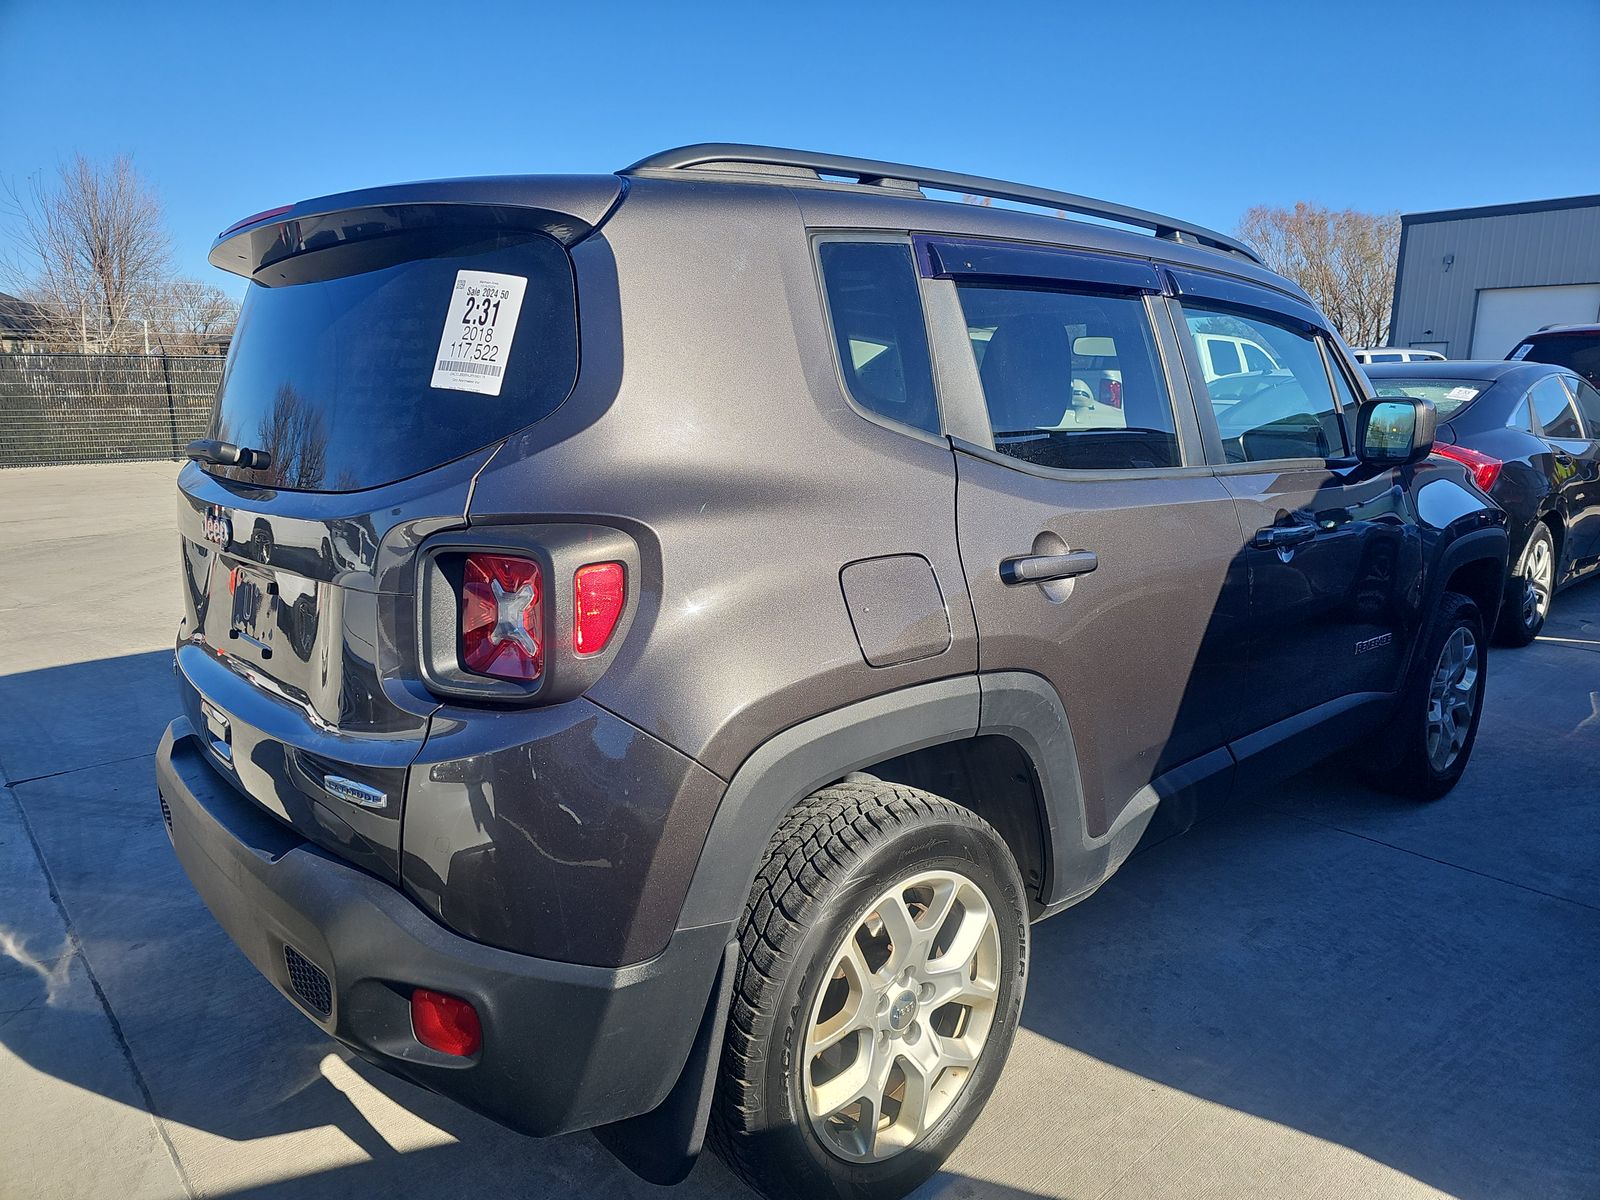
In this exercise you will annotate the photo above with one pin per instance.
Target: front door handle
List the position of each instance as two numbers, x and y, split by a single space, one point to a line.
1042 568
1282 537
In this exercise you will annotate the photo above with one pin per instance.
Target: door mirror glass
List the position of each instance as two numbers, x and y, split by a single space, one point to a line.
1396 431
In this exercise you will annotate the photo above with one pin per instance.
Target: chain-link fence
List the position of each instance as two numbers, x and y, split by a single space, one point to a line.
87 408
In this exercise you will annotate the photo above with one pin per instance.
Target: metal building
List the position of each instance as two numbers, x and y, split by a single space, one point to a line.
1473 281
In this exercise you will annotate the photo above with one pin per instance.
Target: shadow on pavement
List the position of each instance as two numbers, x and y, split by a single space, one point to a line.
1435 1019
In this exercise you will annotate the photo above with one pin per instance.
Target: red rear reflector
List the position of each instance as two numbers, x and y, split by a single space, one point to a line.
599 592
1485 468
254 217
502 616
444 1023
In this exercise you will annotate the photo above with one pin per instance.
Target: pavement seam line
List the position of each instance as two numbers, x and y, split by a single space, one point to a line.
1283 812
110 762
1183 1118
77 948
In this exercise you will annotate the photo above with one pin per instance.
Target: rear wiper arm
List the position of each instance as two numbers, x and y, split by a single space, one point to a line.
226 454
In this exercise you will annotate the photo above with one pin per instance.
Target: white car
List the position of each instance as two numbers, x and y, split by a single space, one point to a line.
1393 354
1224 354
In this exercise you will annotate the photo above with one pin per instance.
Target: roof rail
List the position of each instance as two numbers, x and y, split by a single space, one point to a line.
872 172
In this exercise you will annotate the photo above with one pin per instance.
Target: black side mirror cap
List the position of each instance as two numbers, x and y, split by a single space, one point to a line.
1395 431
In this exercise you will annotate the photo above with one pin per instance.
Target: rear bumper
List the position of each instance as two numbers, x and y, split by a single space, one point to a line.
565 1046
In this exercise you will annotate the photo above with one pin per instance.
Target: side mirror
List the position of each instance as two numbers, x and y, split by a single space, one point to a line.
1394 432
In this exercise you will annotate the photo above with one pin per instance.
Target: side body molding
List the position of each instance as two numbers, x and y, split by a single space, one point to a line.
808 756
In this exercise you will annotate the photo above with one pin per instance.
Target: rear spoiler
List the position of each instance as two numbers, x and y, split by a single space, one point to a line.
566 207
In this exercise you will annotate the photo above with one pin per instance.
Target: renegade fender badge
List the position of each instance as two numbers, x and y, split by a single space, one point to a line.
1373 643
219 530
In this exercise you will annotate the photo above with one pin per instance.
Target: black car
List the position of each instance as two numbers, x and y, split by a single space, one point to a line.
1530 432
1576 347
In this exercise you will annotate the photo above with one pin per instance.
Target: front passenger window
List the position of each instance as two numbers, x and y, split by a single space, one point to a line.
1071 379
1287 411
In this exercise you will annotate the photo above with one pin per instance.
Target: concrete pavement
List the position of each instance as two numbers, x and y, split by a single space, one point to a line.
1324 993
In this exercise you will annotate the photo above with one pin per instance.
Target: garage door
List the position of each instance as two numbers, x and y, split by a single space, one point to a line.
1506 315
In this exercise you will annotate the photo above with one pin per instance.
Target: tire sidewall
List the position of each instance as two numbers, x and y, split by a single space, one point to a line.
971 851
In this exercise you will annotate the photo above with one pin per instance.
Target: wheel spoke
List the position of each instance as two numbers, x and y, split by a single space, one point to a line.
857 1010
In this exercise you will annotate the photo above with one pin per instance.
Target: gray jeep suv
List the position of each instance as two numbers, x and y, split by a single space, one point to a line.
653 642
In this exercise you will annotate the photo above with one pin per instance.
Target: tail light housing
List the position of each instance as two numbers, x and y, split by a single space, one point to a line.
1485 468
524 614
1111 392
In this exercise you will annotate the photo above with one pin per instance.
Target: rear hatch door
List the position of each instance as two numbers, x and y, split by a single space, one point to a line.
384 350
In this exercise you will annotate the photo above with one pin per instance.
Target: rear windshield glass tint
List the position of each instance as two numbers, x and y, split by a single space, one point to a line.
1576 351
1449 396
333 367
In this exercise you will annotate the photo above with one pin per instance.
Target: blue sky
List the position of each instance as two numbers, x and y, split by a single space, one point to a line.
1199 109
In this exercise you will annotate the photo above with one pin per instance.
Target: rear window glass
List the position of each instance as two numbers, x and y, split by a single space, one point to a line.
1575 351
1449 396
1224 358
333 366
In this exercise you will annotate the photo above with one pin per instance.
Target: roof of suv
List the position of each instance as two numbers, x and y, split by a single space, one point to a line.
830 190
1560 330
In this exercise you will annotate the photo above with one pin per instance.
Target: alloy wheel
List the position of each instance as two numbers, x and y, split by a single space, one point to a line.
1452 698
1538 582
902 1016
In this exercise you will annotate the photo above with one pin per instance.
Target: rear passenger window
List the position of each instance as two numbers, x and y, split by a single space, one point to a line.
1588 403
1224 358
1071 378
1554 408
1286 412
878 330
1255 359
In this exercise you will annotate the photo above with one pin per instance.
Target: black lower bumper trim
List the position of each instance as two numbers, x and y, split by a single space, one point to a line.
565 1046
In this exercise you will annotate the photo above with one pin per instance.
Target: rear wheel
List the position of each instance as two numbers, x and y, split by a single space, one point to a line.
1435 724
1529 590
884 953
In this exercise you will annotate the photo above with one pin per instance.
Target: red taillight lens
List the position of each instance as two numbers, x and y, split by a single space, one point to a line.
502 616
1111 392
600 590
1485 468
445 1023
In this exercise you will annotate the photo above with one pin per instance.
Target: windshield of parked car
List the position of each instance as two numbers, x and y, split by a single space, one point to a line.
1449 396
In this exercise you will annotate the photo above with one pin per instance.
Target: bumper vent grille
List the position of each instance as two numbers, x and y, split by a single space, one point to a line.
166 814
309 981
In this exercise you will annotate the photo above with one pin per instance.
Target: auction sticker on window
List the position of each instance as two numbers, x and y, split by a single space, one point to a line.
476 342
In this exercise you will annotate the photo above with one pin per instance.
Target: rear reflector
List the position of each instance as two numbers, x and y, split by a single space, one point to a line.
599 593
445 1023
502 617
1485 468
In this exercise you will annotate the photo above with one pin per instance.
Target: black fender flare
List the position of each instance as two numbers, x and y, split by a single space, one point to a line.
808 756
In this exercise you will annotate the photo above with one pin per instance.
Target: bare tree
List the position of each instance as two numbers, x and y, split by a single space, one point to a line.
187 316
292 432
91 244
1345 260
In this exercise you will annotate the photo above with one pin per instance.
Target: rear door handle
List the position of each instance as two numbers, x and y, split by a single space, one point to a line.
1281 537
1042 568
